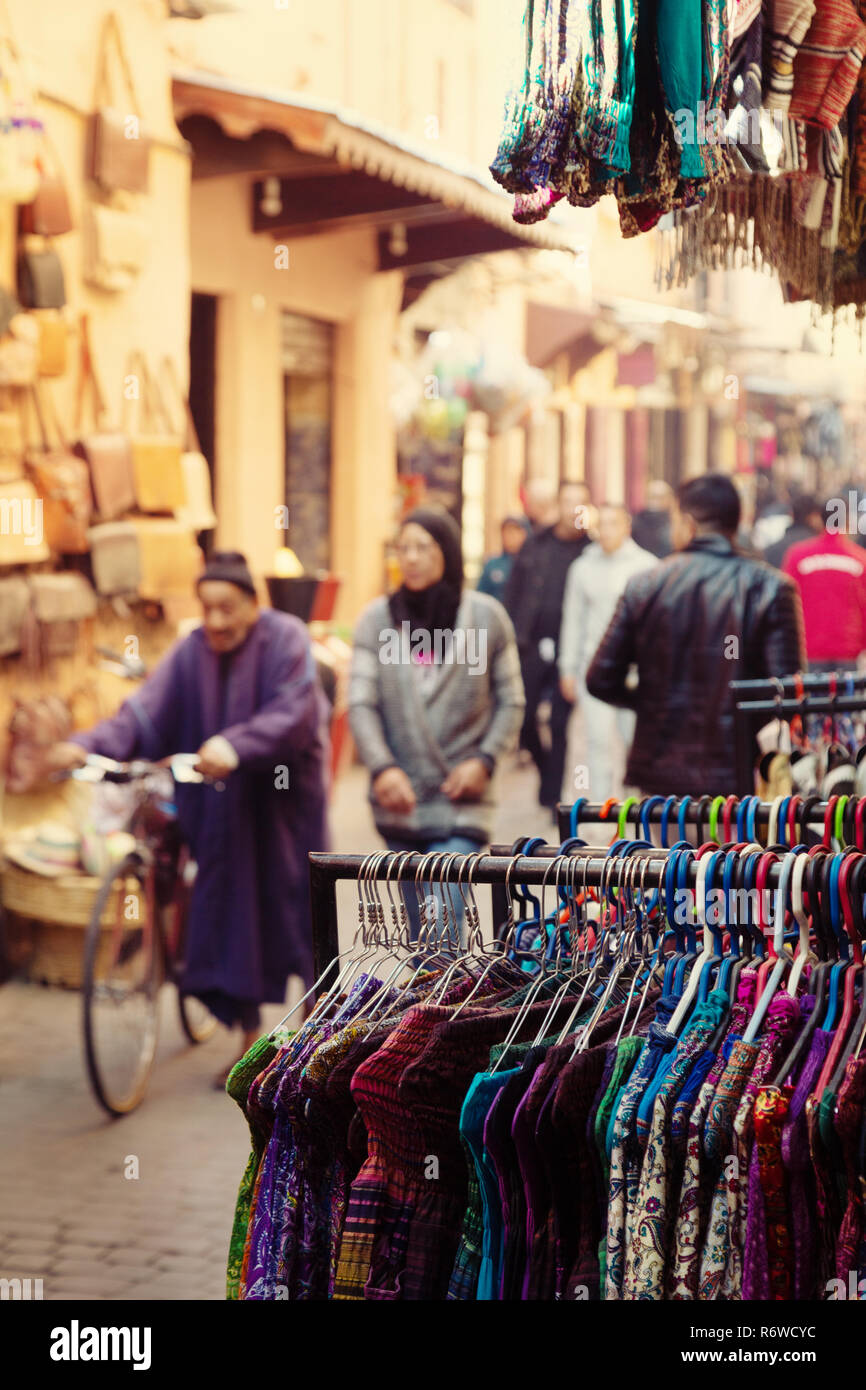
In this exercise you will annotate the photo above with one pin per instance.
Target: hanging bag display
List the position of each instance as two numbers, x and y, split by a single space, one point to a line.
22 524
41 283
198 513
119 151
62 481
14 606
115 558
156 452
35 727
11 445
20 128
61 602
116 244
19 344
169 558
49 214
106 451
53 342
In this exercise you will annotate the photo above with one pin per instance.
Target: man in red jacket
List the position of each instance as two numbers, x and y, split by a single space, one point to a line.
830 573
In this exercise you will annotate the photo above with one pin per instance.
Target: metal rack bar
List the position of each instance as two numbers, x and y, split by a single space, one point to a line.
591 813
326 870
747 712
768 689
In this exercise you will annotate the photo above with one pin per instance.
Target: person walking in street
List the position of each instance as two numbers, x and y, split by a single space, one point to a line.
540 503
534 596
830 573
242 692
807 522
592 591
435 698
651 528
705 616
494 576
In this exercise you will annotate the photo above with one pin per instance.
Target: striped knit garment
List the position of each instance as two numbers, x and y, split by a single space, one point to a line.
789 22
858 131
828 64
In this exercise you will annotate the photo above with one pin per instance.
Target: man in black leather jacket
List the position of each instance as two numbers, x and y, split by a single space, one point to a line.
703 617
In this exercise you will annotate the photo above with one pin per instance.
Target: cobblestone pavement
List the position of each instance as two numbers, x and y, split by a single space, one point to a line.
68 1213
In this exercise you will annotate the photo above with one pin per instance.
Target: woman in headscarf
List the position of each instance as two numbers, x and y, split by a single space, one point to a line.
435 697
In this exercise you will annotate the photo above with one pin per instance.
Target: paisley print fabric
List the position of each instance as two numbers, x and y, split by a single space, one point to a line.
646 1256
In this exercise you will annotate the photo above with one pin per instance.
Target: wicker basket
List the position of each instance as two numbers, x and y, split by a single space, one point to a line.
55 913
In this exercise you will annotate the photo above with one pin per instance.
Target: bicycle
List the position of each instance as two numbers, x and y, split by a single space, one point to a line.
136 937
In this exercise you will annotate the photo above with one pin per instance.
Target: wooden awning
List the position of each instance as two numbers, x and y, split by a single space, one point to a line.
336 171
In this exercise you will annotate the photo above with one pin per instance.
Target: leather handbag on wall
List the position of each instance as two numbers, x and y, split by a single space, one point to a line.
61 598
169 557
115 558
22 524
11 446
107 451
59 603
156 452
14 606
35 727
19 352
20 128
41 284
53 342
116 244
198 513
50 213
119 151
62 481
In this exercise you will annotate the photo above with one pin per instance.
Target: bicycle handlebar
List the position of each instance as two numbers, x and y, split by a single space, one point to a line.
99 769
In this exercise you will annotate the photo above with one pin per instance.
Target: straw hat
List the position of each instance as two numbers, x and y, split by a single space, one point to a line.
49 849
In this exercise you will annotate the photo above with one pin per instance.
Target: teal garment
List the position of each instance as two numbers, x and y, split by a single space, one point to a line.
830 1139
603 121
645 1109
484 1089
681 54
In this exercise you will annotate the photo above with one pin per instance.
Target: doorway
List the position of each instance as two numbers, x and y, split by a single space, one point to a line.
202 389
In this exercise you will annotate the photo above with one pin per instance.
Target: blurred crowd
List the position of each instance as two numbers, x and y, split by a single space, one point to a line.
638 622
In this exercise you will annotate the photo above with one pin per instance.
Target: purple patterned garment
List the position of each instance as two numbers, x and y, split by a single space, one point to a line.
756 1260
849 1117
278 1193
797 1161
781 1025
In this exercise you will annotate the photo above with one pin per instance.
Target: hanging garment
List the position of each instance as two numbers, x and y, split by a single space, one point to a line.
827 66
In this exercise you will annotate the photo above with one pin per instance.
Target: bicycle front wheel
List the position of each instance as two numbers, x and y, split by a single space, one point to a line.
123 971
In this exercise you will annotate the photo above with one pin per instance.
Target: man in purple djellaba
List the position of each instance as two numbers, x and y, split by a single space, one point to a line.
243 693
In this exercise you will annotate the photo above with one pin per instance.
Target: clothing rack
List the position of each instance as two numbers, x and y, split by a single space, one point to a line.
327 870
607 813
748 712
768 689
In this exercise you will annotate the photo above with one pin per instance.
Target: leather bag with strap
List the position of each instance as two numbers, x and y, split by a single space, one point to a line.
49 214
156 450
62 481
41 283
35 727
119 151
22 524
198 513
116 245
53 342
106 451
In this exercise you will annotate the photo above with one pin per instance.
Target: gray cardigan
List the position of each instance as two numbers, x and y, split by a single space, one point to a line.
428 720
